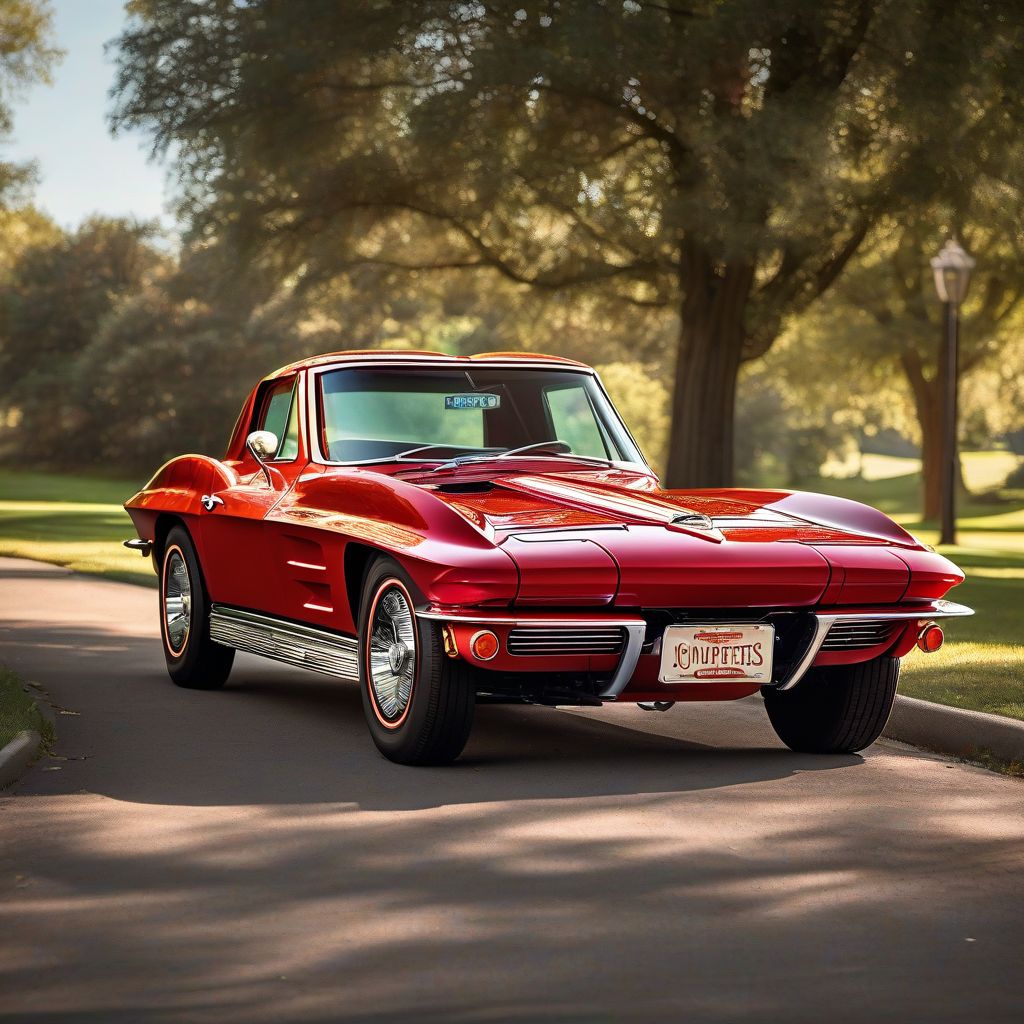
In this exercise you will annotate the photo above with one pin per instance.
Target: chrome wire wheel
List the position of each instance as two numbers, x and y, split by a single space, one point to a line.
391 657
177 601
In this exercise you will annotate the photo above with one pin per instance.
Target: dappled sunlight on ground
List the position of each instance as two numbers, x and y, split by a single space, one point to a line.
258 907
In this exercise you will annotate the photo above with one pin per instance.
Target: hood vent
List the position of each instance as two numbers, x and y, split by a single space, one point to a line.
469 487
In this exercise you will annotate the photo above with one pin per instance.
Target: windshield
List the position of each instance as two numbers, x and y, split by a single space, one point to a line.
378 413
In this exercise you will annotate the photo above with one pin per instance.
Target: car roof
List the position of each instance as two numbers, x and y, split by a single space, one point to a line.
424 356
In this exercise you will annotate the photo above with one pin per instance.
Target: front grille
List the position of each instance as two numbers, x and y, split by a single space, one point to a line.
859 634
541 641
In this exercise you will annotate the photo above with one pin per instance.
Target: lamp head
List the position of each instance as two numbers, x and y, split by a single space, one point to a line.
952 268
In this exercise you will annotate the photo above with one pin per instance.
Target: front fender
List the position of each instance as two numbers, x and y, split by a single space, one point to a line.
841 513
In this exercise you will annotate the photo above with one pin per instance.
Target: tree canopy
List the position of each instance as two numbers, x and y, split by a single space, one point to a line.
26 56
724 157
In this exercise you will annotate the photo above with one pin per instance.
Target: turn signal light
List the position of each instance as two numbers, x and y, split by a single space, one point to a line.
484 645
451 645
930 638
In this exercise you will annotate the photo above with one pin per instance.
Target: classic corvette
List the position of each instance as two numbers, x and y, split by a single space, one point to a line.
453 530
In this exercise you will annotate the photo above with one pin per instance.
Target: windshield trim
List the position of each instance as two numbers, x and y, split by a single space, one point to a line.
314 420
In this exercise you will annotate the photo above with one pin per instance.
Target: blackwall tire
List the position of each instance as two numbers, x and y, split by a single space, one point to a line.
418 702
836 709
193 659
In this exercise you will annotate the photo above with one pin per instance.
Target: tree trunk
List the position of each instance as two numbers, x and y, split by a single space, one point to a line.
709 353
931 454
928 405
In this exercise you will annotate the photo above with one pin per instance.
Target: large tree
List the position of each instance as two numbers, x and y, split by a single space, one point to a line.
723 157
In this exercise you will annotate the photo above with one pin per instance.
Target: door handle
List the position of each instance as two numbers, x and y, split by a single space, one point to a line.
210 501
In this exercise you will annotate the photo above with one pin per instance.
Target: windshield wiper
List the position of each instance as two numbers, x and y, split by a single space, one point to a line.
565 452
406 456
399 456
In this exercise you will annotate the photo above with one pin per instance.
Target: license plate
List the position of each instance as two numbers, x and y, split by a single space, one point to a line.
719 653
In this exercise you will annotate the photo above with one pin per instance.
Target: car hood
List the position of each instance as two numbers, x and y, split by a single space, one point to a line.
607 538
522 503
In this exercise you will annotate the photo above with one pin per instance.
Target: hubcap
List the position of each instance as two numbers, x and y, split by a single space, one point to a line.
177 601
392 658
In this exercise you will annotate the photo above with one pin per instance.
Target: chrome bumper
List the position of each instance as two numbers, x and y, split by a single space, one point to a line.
826 620
636 629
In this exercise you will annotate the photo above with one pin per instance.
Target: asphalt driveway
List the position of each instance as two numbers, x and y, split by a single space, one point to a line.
248 856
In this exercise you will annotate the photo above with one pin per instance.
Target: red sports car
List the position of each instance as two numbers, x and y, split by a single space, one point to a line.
452 530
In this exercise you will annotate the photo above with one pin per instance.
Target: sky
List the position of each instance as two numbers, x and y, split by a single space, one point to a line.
63 127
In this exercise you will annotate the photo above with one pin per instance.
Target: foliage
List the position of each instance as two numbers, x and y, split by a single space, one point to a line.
22 228
52 305
884 310
1016 478
26 56
808 402
725 159
641 395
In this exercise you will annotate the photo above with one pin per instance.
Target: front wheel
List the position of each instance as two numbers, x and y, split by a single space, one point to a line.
837 709
193 659
418 702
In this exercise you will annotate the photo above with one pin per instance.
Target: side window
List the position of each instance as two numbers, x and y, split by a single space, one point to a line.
280 415
574 422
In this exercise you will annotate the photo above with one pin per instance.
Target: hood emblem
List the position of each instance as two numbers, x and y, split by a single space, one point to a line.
694 520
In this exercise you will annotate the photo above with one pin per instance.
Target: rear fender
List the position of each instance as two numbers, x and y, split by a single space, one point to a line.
176 489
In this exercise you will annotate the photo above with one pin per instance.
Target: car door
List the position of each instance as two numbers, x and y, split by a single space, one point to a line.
239 552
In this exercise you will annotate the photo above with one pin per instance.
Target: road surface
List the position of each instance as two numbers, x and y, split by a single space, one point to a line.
247 856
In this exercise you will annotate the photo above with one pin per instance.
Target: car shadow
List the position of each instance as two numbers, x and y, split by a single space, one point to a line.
276 735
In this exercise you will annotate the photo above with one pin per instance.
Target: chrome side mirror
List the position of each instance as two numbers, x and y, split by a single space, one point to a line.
263 446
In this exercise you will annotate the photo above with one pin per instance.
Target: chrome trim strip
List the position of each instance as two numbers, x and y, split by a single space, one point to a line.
635 633
289 642
822 626
938 610
524 620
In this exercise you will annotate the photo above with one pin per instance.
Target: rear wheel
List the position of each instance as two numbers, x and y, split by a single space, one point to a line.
418 702
836 709
193 659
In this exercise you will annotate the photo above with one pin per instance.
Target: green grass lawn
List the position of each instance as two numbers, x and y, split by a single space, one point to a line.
75 521
18 711
79 522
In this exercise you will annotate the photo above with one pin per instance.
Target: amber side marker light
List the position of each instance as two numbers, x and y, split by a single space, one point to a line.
930 638
484 645
451 646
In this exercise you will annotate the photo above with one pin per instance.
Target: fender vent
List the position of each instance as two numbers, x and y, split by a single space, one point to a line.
547 641
860 634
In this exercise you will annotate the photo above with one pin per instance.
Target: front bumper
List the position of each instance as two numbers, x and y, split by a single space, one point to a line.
559 642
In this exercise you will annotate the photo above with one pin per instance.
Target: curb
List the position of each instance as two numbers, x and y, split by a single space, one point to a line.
17 756
954 731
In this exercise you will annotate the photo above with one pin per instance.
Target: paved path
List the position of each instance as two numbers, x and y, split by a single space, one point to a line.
247 856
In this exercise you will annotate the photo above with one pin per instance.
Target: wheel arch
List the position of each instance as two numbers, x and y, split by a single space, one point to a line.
357 559
165 522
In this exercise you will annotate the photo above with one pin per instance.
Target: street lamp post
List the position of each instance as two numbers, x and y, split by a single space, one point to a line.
952 269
